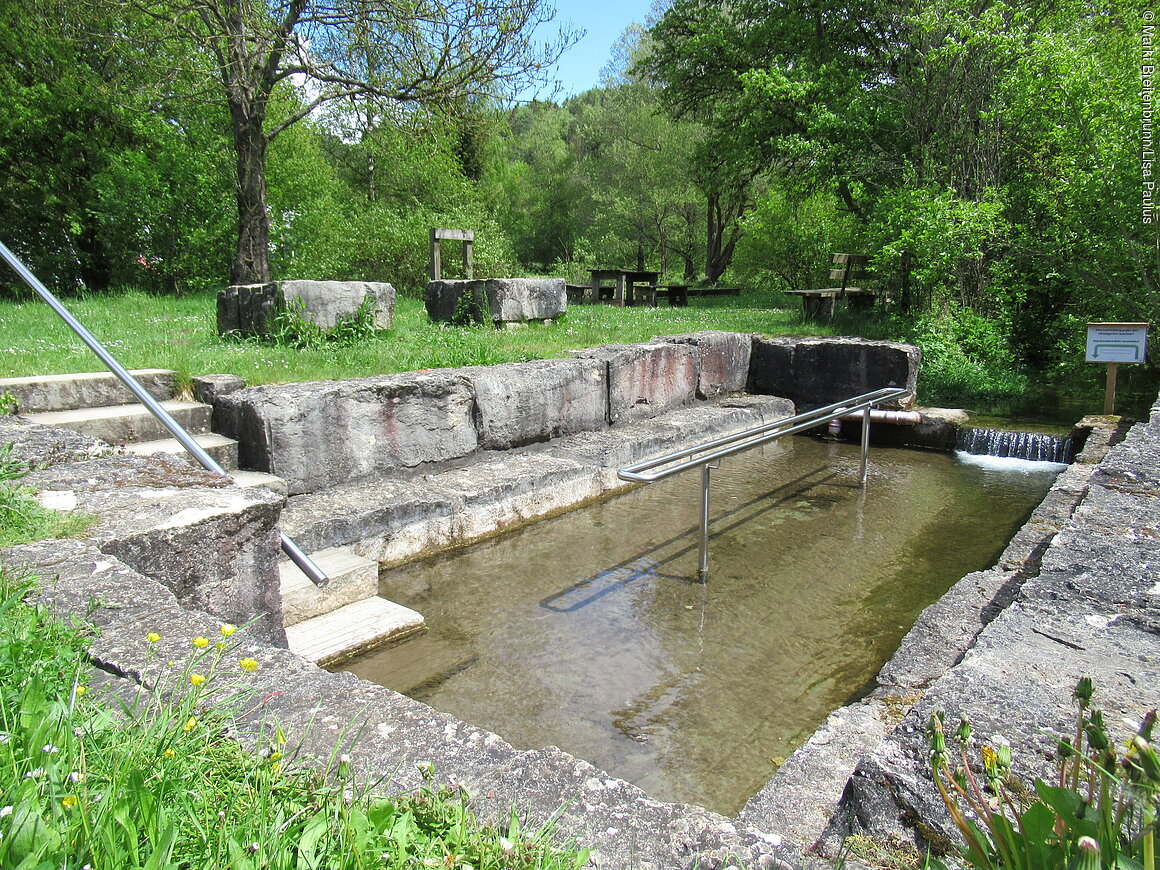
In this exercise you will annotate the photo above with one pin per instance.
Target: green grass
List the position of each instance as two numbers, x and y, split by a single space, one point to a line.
22 517
172 782
180 333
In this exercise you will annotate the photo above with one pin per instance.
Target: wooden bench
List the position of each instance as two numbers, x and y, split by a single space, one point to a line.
674 294
847 268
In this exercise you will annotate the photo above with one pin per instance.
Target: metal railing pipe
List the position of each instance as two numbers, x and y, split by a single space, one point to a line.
291 549
708 454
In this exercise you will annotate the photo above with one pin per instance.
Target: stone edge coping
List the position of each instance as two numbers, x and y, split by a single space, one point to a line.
387 734
462 502
801 799
317 708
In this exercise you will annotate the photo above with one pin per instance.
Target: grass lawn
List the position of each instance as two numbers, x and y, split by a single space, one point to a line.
180 333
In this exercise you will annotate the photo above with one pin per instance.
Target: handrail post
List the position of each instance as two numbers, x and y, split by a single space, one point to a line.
703 563
291 549
865 445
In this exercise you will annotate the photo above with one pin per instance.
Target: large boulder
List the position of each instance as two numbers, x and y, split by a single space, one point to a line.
645 380
248 309
498 300
322 433
819 371
525 402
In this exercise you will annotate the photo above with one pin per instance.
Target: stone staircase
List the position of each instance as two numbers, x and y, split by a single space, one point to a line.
322 625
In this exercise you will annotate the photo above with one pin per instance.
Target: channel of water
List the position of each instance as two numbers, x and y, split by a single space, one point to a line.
590 632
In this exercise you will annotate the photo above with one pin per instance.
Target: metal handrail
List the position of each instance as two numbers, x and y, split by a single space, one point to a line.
708 454
289 547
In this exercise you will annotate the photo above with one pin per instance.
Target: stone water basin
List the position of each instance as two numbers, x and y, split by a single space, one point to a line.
590 632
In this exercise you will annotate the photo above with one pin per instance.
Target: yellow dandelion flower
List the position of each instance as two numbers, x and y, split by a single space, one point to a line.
196 679
69 801
190 724
228 629
153 637
81 690
247 664
201 642
169 753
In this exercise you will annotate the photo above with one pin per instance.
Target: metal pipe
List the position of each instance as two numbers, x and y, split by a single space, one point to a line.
703 562
641 472
291 549
865 445
878 415
727 445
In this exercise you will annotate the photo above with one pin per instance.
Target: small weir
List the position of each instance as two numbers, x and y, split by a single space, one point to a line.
1033 446
591 631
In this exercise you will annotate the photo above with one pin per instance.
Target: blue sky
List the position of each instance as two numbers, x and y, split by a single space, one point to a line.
604 21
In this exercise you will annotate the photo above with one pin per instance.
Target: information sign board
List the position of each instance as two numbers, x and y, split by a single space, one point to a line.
1117 342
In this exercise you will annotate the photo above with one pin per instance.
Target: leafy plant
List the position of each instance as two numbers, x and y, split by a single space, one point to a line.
1102 811
291 327
9 404
170 779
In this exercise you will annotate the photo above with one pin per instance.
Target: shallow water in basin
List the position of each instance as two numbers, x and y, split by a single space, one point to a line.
590 631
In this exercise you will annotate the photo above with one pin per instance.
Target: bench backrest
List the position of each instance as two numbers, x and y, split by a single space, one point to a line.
848 268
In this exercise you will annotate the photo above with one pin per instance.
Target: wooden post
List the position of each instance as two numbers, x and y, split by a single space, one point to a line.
1110 390
465 236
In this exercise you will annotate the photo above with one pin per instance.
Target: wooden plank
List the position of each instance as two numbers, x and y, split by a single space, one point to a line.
453 235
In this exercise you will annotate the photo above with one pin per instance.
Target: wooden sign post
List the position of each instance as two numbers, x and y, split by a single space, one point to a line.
1112 344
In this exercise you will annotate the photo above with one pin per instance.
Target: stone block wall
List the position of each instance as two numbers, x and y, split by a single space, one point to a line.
214 546
317 435
819 371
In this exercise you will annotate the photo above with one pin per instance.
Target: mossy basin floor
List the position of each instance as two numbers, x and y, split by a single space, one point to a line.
590 631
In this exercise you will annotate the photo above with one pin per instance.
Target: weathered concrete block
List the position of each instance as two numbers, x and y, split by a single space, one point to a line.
522 403
42 446
646 379
84 390
819 371
248 309
326 303
723 361
208 388
319 434
215 546
500 300
771 370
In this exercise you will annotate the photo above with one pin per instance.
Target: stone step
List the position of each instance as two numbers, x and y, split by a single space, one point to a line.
84 390
272 482
121 424
221 449
352 629
352 578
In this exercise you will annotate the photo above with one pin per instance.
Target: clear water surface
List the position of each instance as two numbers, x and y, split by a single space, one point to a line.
590 632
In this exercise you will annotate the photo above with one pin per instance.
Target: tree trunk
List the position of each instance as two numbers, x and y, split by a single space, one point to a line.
252 261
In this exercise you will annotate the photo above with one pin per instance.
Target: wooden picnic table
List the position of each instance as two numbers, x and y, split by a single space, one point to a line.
626 281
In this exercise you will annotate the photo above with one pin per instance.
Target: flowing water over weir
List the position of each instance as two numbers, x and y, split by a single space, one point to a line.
590 631
1034 446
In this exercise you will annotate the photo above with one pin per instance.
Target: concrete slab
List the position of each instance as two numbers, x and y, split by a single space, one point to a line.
84 389
221 449
119 424
271 482
352 629
352 578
